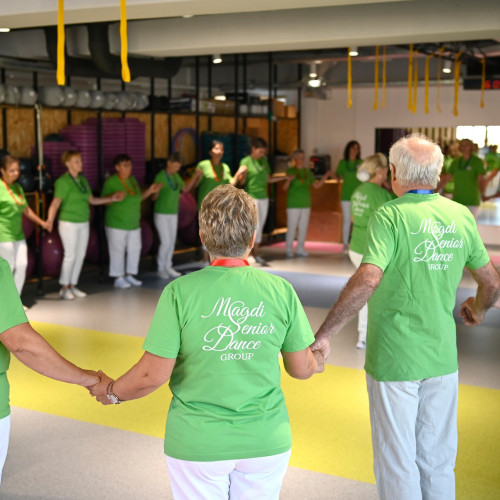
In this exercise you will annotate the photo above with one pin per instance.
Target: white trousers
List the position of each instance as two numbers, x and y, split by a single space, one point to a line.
4 441
16 254
262 209
124 251
75 239
246 479
474 209
363 313
297 218
346 221
414 436
166 225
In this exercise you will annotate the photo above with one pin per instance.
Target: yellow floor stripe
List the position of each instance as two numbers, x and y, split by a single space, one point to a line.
329 413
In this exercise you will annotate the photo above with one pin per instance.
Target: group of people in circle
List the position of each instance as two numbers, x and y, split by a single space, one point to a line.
364 188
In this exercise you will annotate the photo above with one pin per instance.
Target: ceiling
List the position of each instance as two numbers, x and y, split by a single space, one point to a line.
294 31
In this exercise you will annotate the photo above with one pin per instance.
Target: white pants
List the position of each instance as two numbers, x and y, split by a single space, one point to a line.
75 239
246 479
4 441
124 251
414 436
297 218
262 209
16 254
346 221
166 224
363 313
474 209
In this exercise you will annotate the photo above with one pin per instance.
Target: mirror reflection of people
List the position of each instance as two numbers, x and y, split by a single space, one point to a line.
123 222
255 173
298 202
13 206
19 338
217 334
72 198
347 169
166 210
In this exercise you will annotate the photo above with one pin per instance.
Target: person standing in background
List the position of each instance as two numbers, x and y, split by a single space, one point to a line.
72 195
13 206
123 222
298 201
346 170
166 211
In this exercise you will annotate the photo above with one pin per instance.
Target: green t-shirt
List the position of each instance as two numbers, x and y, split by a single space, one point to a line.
347 169
211 178
74 195
364 201
299 192
257 175
492 161
226 328
125 214
465 174
450 186
12 314
168 197
12 206
422 243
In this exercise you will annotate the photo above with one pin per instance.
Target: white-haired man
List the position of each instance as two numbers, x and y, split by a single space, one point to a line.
416 249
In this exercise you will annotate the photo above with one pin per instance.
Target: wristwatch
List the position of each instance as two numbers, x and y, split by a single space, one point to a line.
113 398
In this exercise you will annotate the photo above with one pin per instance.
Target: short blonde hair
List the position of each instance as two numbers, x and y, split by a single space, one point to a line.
228 220
372 163
67 155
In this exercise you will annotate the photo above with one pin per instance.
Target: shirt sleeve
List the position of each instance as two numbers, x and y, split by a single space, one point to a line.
12 311
380 241
60 189
164 335
227 173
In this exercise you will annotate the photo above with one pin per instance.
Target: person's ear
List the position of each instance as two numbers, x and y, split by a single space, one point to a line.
252 241
393 172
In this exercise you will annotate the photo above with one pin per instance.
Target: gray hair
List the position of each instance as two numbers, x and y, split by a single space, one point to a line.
228 219
416 160
368 168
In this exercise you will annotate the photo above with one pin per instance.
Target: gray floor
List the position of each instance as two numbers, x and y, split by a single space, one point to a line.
52 457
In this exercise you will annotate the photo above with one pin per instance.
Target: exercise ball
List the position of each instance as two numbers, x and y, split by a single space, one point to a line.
110 100
27 96
31 260
142 101
27 181
52 95
188 209
2 93
11 95
132 97
92 254
146 236
97 99
83 99
28 227
123 101
189 234
70 97
26 166
52 253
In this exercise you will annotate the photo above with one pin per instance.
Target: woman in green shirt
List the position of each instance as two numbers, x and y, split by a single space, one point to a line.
72 196
13 206
364 201
347 170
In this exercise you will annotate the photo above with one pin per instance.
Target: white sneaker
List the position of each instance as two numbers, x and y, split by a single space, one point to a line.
289 255
164 274
77 293
133 281
121 283
173 273
302 253
66 294
361 345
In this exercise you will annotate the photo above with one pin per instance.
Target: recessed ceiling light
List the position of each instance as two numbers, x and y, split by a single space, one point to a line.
353 51
4 30
216 59
187 16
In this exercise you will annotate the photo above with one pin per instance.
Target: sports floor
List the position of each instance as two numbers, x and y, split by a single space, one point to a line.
64 445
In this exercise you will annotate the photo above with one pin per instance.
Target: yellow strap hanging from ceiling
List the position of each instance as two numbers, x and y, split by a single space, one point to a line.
61 71
427 61
384 76
440 54
349 78
483 80
375 100
458 62
410 76
124 41
415 87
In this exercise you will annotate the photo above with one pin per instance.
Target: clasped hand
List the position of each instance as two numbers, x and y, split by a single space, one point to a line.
99 390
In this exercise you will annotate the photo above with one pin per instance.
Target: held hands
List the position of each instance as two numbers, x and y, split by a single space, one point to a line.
470 314
99 389
118 196
320 349
155 188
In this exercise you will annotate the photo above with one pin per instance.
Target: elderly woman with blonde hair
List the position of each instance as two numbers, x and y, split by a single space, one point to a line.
364 201
217 335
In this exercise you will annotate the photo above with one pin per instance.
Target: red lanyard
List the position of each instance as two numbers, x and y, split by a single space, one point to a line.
298 176
215 173
131 192
21 200
229 262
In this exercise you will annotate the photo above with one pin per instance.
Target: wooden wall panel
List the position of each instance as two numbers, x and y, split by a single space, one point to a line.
257 127
161 135
78 116
225 124
146 119
53 120
20 131
287 136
